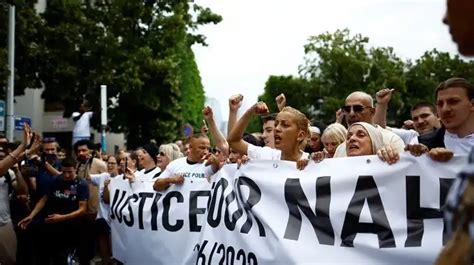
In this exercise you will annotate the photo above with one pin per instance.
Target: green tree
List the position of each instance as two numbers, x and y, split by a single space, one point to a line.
140 49
27 30
336 64
425 74
294 89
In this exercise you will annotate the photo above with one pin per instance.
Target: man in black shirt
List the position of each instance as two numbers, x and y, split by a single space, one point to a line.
58 214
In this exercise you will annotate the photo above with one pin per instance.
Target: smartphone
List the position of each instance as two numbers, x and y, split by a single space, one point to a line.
50 157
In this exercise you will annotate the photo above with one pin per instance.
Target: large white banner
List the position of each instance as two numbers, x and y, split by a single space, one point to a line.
343 210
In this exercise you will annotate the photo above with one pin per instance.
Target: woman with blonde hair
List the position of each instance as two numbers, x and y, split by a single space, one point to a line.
333 136
291 130
168 153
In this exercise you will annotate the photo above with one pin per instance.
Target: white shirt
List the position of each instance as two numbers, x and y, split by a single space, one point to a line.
458 145
263 153
82 126
408 136
267 153
149 175
99 180
189 170
5 217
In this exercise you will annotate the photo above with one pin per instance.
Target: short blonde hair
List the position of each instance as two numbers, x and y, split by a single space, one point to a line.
301 121
335 131
171 150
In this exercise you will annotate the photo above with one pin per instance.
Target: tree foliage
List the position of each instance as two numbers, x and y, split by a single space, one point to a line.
27 51
336 64
140 49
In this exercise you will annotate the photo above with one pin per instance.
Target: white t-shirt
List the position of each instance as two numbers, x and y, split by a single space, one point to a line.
458 145
5 199
388 137
408 136
82 126
263 153
99 180
267 153
149 175
191 171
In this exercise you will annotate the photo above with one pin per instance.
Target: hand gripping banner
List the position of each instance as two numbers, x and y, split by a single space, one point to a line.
342 210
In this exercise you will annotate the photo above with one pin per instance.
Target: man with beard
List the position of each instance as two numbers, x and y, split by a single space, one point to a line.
87 165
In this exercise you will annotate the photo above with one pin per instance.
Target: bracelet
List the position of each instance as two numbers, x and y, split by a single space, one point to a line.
12 156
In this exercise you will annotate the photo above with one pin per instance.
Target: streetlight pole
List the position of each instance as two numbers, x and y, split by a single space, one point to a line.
11 78
103 116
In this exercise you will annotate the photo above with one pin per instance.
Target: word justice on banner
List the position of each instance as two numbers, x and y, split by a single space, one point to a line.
342 210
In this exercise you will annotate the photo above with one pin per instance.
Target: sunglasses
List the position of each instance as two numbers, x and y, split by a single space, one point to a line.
49 140
355 108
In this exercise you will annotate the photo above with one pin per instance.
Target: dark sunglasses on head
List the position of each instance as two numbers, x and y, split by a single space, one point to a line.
355 108
49 140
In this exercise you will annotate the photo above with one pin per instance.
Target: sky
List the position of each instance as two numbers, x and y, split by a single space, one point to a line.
259 38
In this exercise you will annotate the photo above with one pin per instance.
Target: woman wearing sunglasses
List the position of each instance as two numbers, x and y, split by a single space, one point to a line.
168 153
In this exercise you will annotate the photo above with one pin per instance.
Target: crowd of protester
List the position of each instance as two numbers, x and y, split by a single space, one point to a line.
55 208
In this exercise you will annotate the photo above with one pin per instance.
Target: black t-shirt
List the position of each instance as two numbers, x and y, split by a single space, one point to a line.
64 196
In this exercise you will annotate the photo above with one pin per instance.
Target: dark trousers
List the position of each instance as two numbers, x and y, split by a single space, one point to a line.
56 241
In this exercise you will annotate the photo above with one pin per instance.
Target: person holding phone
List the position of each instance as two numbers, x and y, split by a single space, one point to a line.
48 166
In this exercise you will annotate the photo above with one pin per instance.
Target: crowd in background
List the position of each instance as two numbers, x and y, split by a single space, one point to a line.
55 208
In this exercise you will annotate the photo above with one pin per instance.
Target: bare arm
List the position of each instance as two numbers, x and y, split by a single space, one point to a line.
383 97
162 184
19 185
20 152
39 206
106 191
219 139
57 218
235 102
80 211
53 171
280 101
235 136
